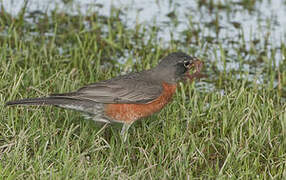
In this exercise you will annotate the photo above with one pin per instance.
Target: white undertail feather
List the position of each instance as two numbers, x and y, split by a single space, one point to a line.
96 118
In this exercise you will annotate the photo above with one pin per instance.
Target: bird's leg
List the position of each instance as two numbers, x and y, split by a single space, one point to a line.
124 131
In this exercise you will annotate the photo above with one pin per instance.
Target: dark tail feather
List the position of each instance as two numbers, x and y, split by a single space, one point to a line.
83 105
43 101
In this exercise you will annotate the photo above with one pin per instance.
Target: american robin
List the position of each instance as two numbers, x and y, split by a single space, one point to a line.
129 97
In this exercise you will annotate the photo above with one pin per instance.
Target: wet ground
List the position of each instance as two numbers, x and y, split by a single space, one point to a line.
230 125
243 40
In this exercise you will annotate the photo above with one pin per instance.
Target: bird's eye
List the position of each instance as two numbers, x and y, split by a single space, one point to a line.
187 64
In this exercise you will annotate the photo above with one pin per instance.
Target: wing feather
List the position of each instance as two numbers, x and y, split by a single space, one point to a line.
124 89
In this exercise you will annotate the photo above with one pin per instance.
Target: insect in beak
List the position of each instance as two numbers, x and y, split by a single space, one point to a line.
197 65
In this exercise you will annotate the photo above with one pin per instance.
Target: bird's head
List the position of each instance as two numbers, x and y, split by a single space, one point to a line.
178 66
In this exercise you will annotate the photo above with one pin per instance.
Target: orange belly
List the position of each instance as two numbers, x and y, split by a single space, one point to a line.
128 113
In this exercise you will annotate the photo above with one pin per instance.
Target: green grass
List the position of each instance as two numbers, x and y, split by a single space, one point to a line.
235 131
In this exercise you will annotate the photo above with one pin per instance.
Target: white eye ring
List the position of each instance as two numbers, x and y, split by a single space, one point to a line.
187 64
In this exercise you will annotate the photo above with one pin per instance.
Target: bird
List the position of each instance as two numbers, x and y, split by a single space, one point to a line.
127 98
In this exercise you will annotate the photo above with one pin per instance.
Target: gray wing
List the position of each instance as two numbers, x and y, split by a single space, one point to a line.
123 89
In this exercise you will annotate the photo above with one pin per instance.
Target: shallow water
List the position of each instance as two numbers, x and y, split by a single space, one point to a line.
254 21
